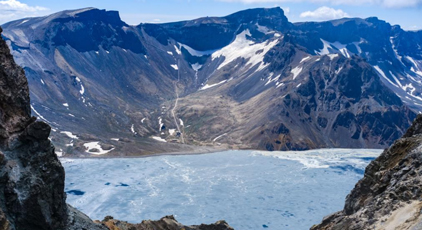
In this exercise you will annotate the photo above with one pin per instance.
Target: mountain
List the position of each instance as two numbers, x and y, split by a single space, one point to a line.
248 80
31 176
388 196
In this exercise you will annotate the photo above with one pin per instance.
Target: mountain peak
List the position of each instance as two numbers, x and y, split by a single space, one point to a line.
87 14
271 17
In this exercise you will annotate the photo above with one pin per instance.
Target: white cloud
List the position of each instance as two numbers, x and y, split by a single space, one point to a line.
13 5
384 3
324 13
12 9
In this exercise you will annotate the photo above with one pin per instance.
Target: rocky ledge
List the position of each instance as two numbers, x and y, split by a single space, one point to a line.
31 176
389 196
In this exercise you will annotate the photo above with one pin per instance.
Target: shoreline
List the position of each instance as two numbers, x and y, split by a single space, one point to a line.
210 152
154 154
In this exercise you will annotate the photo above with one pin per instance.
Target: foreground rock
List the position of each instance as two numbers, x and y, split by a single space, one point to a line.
168 223
389 195
31 176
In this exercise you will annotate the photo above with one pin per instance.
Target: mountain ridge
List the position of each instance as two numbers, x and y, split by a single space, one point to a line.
163 76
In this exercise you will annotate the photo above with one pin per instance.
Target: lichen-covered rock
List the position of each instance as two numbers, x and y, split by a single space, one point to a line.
389 194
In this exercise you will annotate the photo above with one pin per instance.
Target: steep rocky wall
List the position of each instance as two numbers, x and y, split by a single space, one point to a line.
389 194
31 177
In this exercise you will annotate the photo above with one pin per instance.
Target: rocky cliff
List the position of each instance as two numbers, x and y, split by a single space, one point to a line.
31 176
389 195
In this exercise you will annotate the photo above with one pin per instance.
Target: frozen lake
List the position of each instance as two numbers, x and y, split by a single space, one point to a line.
248 189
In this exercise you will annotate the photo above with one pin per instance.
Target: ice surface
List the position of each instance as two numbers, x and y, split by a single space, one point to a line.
249 189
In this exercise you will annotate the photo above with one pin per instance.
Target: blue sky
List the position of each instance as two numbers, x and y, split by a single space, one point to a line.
407 13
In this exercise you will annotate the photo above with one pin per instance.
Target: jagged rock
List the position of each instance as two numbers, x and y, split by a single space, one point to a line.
79 221
389 194
14 101
167 223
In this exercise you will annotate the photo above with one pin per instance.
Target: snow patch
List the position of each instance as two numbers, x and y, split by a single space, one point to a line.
39 115
296 71
270 79
160 123
132 129
396 53
181 122
158 139
178 51
69 134
95 148
206 86
332 56
224 134
241 47
59 153
65 105
170 53
143 119
304 59
196 66
263 29
196 53
42 82
172 131
379 70
333 47
174 67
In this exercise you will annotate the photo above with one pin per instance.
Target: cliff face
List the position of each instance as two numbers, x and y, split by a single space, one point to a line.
31 176
389 194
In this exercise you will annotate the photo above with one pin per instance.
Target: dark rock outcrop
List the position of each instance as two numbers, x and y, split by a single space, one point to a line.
31 176
389 195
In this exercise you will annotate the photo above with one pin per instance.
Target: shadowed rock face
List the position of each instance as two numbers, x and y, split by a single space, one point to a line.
31 176
15 111
388 196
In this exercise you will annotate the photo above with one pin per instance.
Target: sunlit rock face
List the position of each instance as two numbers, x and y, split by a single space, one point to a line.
388 196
